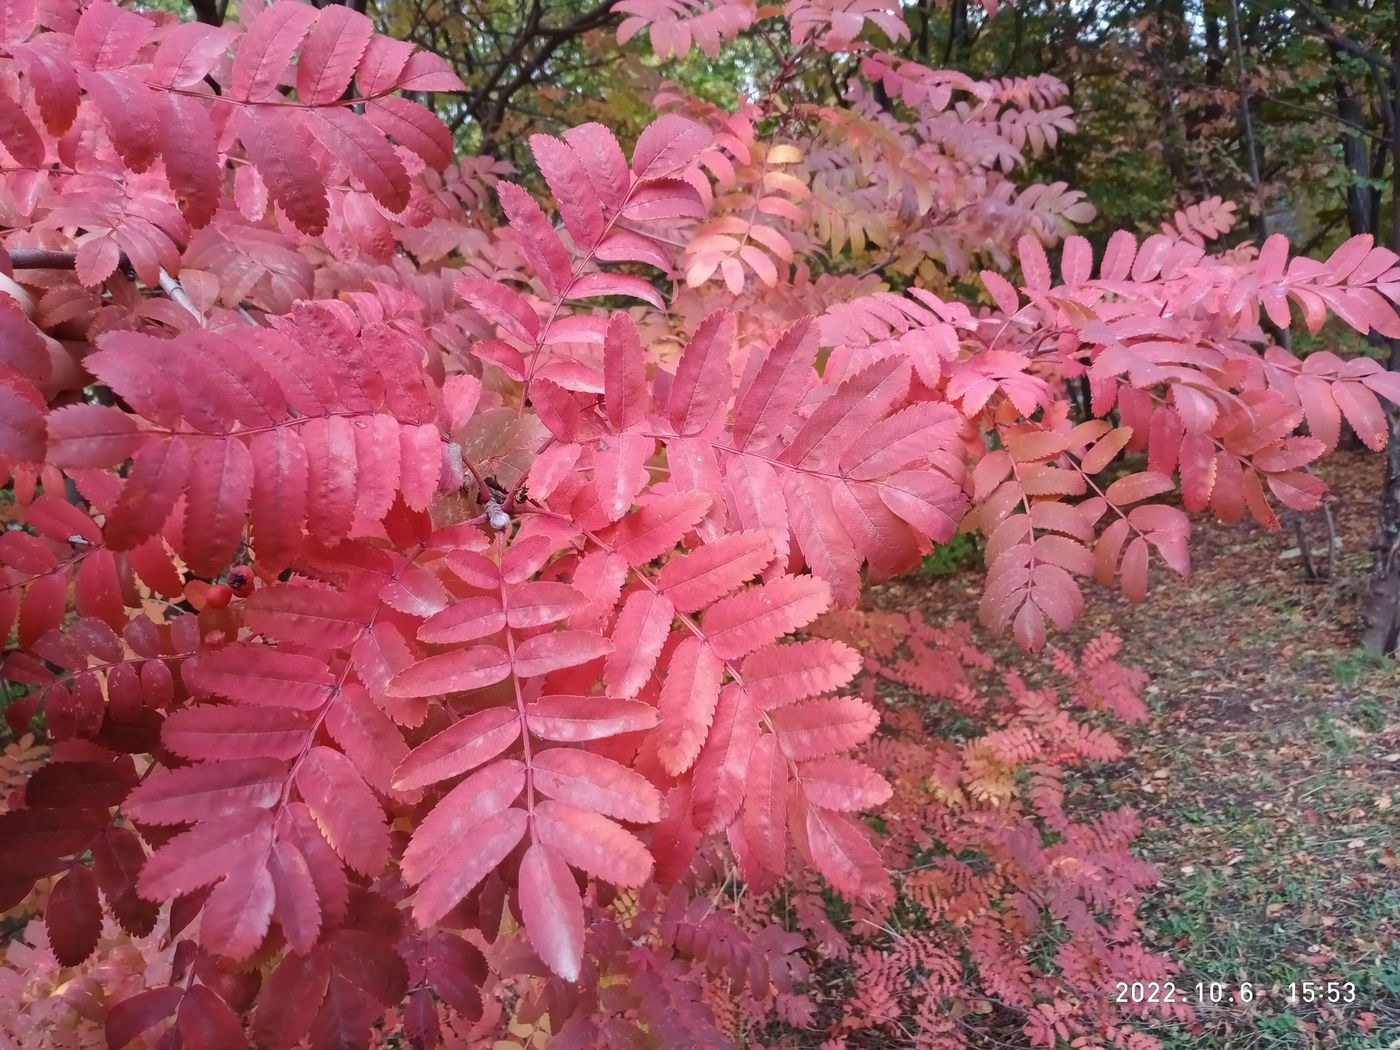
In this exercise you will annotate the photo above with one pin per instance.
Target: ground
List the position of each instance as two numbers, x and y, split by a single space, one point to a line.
1269 775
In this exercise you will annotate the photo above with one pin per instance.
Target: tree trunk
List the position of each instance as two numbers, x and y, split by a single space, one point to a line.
1382 611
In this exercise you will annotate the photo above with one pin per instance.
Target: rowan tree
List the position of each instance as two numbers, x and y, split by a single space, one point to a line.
405 567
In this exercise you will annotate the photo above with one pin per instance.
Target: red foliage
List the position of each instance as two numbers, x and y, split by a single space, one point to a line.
413 639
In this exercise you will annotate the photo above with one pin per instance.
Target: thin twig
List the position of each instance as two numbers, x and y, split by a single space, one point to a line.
178 295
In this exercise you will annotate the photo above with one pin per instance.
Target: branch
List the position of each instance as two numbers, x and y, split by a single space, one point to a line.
48 259
1348 44
178 295
44 259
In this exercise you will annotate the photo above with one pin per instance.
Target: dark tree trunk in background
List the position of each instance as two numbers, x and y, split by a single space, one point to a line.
1382 613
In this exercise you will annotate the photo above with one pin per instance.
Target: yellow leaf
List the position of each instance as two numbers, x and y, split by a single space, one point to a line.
784 153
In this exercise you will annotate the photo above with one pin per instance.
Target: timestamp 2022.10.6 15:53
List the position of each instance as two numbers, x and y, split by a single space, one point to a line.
1242 993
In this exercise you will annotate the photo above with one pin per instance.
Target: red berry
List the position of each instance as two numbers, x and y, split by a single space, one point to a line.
241 581
218 596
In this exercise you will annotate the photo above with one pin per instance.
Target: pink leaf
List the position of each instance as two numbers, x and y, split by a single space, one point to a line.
331 54
266 49
596 783
667 146
552 910
703 377
464 745
551 652
748 621
689 693
592 843
455 672
574 719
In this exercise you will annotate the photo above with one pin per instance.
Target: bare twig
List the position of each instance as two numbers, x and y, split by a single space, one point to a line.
43 259
178 295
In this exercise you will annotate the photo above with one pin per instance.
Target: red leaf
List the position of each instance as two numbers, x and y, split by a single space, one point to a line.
574 719
457 876
593 285
848 412
465 621
332 51
296 908
207 790
783 674
657 527
503 306
108 37
188 53
413 126
260 676
1136 487
332 477
592 843
139 1013
821 535
843 853
748 621
279 151
767 404
92 436
704 576
580 208
18 133
643 625
456 672
192 163
216 503
703 378
619 471
370 160
689 693
823 727
1363 411
551 652
534 604
157 478
718 780
426 71
266 49
279 495
928 501
552 910
206 853
596 783
117 859
483 794
545 252
464 745
73 916
206 1020
667 146
308 615
624 374
237 915
345 808
55 84
764 817
842 784
603 160
128 109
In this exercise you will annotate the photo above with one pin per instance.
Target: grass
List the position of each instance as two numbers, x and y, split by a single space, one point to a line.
1268 777
1276 845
